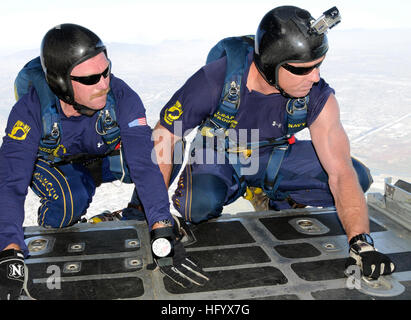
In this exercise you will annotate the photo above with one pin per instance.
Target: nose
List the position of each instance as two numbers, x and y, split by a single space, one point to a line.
104 82
315 75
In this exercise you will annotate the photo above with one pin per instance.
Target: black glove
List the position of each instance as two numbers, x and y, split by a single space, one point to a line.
172 260
373 264
183 231
12 274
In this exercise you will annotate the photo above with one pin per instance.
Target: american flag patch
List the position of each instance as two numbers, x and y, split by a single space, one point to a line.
138 122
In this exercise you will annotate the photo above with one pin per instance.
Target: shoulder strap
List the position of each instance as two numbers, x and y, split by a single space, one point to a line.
106 124
296 116
32 75
236 49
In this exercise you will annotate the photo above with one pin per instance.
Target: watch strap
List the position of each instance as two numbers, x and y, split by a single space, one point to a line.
365 237
166 232
166 222
166 261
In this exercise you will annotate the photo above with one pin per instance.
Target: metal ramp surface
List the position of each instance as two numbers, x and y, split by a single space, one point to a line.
295 254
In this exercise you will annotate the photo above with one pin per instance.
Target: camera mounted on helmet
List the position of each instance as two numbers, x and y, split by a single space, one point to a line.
328 20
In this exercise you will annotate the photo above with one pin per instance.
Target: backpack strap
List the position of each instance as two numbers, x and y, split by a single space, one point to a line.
236 49
296 117
106 124
32 75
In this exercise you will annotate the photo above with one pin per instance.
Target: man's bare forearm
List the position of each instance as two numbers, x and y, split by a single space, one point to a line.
350 203
164 142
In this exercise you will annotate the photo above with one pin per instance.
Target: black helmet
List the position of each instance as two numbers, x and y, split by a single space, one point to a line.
62 48
285 35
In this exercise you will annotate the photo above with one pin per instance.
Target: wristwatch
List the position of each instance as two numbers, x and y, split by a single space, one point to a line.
165 222
162 244
161 247
365 237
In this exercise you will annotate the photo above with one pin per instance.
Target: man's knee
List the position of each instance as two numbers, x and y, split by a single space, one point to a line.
64 211
363 173
201 200
65 195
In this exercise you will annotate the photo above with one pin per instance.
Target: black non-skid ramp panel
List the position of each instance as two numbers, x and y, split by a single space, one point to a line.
92 289
233 279
334 269
297 250
231 256
295 254
220 234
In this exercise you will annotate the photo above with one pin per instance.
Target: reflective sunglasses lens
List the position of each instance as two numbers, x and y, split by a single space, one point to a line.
301 71
92 79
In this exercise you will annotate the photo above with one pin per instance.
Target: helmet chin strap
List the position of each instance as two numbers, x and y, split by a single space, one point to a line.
282 92
84 110
285 94
275 84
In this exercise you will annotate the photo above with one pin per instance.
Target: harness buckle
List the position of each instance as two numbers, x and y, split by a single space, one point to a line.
55 132
233 92
296 105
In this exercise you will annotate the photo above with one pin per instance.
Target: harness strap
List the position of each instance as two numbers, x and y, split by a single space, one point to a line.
236 49
272 179
32 75
106 123
296 117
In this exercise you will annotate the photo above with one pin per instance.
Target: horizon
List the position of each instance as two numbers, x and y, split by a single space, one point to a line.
155 21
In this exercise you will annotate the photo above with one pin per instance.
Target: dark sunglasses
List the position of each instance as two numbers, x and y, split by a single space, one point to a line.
301 71
92 79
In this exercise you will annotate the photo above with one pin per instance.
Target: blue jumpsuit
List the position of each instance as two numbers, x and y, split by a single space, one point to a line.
205 187
67 190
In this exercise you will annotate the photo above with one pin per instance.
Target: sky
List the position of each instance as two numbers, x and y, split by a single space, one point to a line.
24 22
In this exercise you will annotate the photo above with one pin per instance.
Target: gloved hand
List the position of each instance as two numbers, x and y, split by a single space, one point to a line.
12 274
183 232
373 264
176 265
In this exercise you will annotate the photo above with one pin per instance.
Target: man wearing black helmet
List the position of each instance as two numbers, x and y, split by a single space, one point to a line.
279 91
65 137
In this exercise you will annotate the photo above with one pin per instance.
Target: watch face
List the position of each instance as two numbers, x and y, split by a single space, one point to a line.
161 247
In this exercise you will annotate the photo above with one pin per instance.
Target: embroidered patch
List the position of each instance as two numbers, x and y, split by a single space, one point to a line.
138 122
173 113
19 131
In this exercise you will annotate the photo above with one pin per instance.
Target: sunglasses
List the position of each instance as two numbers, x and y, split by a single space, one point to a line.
300 71
92 79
